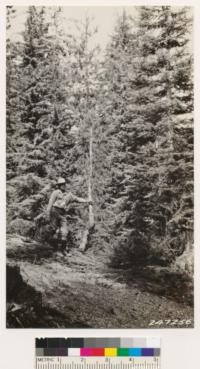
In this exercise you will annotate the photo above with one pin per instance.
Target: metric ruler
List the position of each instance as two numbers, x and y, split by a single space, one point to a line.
97 353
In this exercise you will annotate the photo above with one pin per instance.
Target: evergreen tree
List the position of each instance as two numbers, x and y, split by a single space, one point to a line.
120 128
37 112
176 192
167 32
12 98
57 96
147 195
81 104
35 94
126 134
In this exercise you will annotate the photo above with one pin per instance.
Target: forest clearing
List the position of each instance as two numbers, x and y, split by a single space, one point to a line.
70 291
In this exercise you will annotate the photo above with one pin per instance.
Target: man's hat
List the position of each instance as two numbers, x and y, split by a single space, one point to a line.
61 181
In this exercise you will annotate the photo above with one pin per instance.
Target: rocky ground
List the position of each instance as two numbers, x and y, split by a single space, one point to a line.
46 289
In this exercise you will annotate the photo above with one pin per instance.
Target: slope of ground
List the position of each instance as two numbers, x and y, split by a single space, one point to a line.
80 290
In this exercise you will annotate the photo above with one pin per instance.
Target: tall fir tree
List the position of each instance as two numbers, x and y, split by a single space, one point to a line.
176 193
147 195
12 97
38 117
126 134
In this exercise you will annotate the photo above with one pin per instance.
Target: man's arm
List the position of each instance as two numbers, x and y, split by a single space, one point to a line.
79 199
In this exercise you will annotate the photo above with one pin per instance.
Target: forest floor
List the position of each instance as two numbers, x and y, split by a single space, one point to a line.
81 290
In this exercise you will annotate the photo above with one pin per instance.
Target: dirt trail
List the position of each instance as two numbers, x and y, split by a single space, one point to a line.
86 292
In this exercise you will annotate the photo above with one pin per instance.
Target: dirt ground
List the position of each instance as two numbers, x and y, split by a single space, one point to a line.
81 290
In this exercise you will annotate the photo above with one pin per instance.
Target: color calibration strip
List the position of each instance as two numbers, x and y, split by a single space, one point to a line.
98 347
97 353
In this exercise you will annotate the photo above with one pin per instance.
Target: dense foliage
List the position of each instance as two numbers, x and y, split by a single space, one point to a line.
148 114
137 102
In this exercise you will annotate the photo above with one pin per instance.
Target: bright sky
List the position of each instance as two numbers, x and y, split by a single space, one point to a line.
103 17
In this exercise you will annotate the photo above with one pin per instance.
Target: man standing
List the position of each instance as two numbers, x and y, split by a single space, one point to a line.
56 211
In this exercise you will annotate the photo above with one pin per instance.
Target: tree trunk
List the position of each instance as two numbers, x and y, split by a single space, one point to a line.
91 214
86 234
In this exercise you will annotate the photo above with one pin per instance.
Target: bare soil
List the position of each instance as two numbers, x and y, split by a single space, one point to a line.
48 290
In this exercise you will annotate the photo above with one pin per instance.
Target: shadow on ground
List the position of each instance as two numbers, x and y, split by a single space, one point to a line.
49 290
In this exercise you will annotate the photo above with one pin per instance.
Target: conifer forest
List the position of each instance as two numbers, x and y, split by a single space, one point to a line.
116 123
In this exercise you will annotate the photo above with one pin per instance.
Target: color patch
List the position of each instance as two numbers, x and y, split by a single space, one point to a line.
98 352
156 352
147 352
136 351
61 351
87 347
110 351
86 352
152 342
49 351
100 343
113 342
122 352
76 342
73 352
139 342
41 342
126 342
90 342
39 351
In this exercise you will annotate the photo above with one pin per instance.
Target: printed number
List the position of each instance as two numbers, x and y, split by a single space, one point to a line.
171 322
174 322
154 322
181 322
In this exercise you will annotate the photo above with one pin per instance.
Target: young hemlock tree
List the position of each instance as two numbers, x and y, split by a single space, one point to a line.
81 105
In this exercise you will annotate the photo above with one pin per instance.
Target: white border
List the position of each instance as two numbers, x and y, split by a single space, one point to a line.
179 347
